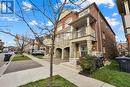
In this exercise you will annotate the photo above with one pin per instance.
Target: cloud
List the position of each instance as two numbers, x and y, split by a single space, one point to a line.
2 6
114 14
112 21
9 43
107 3
117 37
49 23
9 18
121 28
26 6
33 22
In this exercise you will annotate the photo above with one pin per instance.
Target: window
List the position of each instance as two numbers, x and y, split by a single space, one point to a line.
104 37
59 27
104 50
67 22
84 13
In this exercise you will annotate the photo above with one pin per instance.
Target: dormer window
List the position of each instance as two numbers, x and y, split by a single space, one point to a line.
69 20
84 12
59 27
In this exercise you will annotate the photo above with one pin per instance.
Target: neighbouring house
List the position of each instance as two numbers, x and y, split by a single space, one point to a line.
36 44
84 32
45 45
122 48
1 45
124 10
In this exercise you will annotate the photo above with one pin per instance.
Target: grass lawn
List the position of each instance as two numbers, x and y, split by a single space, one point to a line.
111 74
58 80
20 58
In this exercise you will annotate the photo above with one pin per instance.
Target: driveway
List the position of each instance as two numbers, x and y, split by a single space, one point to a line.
21 65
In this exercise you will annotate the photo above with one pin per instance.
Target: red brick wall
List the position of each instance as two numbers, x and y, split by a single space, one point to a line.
100 27
72 15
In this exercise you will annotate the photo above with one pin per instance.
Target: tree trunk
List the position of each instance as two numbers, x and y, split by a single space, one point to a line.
51 62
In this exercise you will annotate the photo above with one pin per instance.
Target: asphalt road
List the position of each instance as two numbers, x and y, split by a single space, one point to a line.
21 65
1 59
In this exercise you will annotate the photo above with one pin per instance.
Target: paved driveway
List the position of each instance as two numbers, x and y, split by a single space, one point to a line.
21 65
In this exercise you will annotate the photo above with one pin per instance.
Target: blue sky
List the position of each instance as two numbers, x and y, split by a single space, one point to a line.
15 25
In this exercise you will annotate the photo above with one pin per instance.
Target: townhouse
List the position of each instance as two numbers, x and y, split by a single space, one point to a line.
82 33
1 45
122 48
124 10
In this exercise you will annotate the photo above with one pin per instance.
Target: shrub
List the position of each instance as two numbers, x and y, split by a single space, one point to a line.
88 64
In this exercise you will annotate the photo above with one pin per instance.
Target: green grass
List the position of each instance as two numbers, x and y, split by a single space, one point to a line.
111 74
20 58
58 80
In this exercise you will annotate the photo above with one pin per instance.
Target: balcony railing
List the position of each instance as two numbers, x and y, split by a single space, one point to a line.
78 34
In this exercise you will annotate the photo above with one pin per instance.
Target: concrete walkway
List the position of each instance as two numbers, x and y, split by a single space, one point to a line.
22 77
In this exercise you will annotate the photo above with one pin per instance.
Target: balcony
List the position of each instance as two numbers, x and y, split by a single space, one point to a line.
78 34
84 34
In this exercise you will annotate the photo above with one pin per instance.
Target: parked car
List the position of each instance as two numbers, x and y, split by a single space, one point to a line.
38 52
8 56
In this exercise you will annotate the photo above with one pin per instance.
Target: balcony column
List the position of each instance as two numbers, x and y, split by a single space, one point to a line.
88 28
89 47
88 21
72 50
73 59
62 57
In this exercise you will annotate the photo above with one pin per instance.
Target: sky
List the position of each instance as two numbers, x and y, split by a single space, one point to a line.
15 25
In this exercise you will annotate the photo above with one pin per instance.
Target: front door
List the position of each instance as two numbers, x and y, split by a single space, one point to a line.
83 50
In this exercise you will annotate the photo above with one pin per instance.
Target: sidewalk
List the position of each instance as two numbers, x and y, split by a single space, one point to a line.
22 77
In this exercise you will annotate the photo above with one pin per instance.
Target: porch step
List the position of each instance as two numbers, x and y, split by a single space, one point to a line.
68 64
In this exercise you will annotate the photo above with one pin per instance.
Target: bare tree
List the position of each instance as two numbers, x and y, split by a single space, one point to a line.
49 12
22 42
